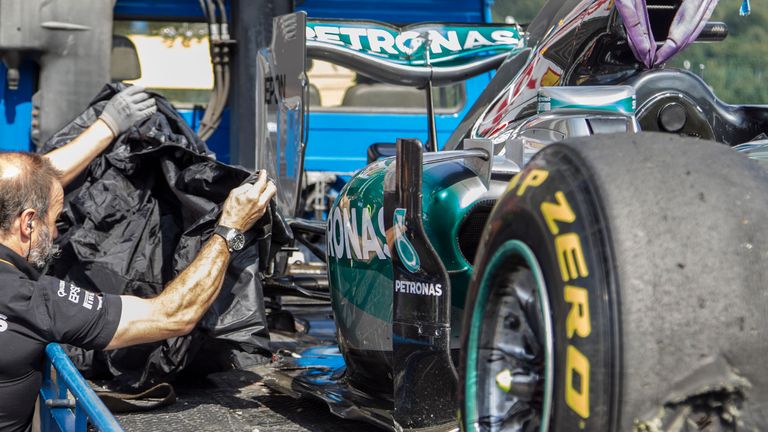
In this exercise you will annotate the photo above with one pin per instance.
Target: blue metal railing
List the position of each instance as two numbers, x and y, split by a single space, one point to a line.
59 413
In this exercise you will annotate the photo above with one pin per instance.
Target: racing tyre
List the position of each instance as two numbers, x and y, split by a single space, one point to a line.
621 284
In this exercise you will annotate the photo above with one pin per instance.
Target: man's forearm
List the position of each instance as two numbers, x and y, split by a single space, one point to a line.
72 158
191 293
178 308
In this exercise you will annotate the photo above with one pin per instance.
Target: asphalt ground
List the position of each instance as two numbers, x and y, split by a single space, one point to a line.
237 401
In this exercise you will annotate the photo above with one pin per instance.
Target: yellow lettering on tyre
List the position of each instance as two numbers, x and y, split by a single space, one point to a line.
570 256
578 317
557 212
573 265
515 180
576 364
533 178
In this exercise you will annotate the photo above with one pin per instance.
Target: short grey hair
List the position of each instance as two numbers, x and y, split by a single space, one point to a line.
26 180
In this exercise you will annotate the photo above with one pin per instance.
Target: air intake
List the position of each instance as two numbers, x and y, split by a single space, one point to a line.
471 228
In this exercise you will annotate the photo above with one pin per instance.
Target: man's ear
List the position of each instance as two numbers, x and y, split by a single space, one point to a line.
27 224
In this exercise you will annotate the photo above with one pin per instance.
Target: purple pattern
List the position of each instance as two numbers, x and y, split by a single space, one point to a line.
686 26
639 34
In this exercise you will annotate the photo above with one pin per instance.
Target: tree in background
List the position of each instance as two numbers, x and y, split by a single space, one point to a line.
735 68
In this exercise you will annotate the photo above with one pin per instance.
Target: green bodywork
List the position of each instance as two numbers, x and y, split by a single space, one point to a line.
626 106
360 271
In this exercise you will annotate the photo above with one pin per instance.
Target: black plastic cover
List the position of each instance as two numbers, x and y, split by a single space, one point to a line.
138 215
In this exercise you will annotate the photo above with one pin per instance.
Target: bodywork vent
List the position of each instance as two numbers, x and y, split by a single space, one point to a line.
471 228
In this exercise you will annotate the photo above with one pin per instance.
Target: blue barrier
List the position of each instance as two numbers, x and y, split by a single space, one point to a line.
59 413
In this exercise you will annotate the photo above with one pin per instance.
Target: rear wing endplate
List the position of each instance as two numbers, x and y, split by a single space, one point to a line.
281 108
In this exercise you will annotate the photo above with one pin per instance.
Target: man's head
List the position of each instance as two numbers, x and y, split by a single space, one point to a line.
31 199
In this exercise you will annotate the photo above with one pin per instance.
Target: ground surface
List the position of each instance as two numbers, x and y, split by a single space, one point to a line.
237 401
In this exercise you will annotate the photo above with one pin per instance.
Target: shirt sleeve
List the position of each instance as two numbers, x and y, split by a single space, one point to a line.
79 317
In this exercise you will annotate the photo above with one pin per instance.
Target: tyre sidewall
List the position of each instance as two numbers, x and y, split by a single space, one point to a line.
585 339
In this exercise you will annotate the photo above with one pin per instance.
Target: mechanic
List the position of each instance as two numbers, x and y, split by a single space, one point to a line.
37 309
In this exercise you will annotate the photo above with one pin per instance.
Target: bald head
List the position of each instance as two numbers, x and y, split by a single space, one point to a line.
27 181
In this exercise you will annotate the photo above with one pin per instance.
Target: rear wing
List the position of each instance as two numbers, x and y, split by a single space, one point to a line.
414 55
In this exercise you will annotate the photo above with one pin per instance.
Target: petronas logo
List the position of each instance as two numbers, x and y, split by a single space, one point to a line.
405 250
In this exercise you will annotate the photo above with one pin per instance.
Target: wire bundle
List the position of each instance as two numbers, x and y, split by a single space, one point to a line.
218 30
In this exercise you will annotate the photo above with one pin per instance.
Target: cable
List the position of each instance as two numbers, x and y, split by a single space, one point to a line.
225 40
220 40
204 8
213 36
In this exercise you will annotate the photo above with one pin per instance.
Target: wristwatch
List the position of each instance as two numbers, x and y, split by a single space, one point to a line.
234 238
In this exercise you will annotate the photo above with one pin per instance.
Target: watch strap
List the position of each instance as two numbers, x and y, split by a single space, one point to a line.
227 234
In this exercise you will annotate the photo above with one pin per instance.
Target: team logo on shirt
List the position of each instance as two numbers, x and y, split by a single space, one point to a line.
88 299
75 293
3 323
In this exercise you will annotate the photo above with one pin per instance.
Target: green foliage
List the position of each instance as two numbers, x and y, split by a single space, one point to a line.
735 68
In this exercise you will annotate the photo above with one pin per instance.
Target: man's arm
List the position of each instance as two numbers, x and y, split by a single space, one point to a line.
121 112
72 158
180 306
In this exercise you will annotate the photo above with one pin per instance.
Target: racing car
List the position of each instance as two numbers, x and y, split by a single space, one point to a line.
586 252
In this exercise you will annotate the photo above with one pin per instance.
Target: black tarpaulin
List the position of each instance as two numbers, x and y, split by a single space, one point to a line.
137 216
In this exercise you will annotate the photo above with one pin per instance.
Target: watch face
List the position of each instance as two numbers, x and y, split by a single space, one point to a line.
237 242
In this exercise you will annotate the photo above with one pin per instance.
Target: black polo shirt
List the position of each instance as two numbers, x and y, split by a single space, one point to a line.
36 310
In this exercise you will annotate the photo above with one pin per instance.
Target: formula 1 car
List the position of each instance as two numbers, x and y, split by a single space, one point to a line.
586 252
